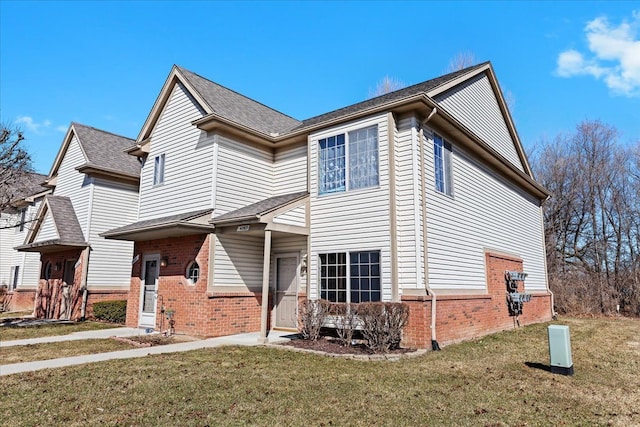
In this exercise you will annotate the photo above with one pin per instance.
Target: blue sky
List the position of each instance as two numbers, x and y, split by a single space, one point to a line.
104 63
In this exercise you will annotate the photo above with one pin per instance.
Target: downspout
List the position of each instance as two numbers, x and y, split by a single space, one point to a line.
554 315
83 282
434 341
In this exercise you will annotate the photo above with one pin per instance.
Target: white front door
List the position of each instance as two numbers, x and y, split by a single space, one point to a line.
149 290
286 301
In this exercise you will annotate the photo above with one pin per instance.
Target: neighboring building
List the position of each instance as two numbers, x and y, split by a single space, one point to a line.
94 188
421 195
19 271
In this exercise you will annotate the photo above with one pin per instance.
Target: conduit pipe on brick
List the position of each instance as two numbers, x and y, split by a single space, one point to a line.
434 341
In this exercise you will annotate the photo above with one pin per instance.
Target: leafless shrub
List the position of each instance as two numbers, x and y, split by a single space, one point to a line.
397 316
346 321
374 326
312 315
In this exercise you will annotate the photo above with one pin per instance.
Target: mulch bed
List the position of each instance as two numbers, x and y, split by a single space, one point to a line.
333 346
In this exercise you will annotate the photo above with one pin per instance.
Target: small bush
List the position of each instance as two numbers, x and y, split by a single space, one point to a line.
110 311
346 320
382 324
312 315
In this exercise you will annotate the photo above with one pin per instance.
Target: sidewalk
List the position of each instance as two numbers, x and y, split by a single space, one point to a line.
248 339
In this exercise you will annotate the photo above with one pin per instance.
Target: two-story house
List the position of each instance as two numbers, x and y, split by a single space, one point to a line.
423 195
20 271
94 187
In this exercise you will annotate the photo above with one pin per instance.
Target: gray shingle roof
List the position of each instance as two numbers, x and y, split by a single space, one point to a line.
245 111
66 222
105 150
64 216
406 92
155 223
260 208
238 108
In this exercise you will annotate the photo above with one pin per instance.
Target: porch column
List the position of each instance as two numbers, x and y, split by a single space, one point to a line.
265 288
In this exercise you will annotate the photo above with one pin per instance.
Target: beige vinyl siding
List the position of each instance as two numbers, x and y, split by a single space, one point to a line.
475 105
485 213
355 220
291 244
29 261
6 247
238 261
244 175
408 202
188 161
295 216
290 170
114 205
47 230
73 184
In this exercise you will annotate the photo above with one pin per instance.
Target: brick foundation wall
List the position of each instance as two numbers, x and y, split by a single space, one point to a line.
463 317
196 311
21 299
104 295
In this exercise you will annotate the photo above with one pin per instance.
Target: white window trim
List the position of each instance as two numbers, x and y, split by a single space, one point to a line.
159 162
348 272
447 166
188 276
345 132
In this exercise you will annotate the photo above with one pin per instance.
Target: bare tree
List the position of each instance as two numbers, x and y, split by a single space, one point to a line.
460 61
386 85
592 222
15 164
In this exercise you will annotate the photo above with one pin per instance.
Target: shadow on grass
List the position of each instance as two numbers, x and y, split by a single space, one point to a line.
537 365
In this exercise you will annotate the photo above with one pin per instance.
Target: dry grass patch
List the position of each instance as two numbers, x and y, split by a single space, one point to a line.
29 353
10 314
8 333
485 383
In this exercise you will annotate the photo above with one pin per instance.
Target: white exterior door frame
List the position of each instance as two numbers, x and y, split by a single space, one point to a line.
147 318
277 293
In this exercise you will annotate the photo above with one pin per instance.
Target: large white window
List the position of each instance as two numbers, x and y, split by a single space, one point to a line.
341 169
350 276
442 165
158 170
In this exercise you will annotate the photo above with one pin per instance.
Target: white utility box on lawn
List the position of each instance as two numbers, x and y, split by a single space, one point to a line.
560 350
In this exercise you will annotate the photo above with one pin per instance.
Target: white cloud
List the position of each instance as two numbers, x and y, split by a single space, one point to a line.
61 128
31 125
615 55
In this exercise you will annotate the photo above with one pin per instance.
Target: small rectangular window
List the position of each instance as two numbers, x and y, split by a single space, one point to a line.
16 277
158 170
23 218
442 157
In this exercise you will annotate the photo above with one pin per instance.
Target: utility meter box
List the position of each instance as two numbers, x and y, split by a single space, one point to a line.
560 350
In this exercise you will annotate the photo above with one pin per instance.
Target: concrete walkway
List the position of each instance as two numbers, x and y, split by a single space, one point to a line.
248 339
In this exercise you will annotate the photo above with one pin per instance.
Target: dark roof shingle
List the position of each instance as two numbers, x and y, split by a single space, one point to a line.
106 150
166 221
239 108
259 208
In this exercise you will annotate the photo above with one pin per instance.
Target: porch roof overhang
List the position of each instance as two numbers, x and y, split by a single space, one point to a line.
259 217
53 245
186 224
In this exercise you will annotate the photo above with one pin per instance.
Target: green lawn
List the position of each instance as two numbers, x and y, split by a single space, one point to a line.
23 332
495 381
29 353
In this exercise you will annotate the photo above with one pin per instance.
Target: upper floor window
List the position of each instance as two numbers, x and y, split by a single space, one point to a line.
23 219
341 168
442 165
158 170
